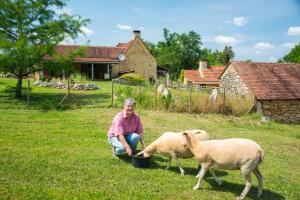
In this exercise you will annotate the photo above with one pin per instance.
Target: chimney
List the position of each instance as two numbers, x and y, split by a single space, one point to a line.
202 65
136 33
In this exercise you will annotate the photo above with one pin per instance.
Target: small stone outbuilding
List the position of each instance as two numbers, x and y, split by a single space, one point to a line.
275 86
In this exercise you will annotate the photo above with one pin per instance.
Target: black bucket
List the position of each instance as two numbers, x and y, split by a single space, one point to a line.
140 161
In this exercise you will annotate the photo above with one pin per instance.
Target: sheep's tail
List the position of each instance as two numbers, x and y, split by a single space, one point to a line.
261 156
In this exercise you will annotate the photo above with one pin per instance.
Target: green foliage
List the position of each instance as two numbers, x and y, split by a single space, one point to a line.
179 50
212 57
226 55
78 78
293 56
181 76
133 78
29 30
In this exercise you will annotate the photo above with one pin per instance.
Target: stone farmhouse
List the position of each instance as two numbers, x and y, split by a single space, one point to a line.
205 76
102 62
274 86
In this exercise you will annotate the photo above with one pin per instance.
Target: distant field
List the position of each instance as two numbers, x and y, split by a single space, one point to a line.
57 153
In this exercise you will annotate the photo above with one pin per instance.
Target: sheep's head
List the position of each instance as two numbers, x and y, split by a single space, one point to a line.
188 136
200 134
144 153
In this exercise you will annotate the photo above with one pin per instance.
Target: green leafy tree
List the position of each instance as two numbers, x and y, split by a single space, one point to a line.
226 55
293 56
29 30
212 57
179 51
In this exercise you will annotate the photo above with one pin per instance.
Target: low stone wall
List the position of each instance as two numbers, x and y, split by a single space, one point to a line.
285 111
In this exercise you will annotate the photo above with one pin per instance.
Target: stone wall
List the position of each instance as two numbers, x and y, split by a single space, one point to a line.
231 81
286 111
139 59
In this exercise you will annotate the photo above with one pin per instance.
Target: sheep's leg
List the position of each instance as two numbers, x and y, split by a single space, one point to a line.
169 163
198 175
178 164
260 181
212 172
247 176
180 168
201 175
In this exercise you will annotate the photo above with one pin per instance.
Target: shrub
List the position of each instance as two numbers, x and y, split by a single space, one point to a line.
77 78
133 78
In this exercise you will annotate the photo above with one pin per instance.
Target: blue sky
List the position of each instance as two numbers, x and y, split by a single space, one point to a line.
261 30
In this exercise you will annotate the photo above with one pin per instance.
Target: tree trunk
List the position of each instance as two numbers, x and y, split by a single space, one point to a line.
19 87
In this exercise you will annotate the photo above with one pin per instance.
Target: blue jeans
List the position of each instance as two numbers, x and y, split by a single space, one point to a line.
132 139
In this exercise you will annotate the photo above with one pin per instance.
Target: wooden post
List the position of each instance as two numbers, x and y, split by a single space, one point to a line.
155 103
112 92
28 92
69 92
190 99
224 100
93 76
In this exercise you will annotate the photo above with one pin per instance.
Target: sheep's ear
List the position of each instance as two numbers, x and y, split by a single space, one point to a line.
185 134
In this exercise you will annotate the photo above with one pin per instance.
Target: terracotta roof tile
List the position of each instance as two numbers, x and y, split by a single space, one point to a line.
210 75
270 81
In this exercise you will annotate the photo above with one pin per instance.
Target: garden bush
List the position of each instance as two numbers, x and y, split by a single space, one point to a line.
133 78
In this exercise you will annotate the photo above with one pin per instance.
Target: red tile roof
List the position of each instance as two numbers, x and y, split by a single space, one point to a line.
270 81
210 75
99 54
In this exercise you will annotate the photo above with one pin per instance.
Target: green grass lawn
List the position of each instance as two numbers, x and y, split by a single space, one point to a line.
57 153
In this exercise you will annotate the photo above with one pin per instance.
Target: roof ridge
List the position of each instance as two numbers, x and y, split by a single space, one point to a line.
257 62
63 45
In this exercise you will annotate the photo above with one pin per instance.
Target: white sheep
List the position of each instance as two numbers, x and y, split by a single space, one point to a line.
230 154
173 145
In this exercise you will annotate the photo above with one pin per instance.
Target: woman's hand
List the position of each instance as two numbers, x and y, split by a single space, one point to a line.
128 150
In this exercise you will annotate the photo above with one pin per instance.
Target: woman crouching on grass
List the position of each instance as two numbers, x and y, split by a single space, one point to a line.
126 130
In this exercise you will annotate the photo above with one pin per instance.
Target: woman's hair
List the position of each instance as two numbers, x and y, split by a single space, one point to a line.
129 102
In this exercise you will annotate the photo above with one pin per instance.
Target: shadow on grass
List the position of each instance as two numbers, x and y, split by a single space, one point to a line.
238 188
225 187
50 101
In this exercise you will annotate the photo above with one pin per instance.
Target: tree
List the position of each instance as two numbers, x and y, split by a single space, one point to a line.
226 55
179 51
31 29
293 56
212 57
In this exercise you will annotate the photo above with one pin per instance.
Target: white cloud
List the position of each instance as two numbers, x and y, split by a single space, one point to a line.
239 21
288 44
263 46
67 41
123 27
294 30
87 31
64 11
227 40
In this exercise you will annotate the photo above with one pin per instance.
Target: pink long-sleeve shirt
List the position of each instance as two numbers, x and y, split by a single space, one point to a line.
122 125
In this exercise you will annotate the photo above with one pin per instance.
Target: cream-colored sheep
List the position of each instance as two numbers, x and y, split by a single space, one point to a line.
173 145
231 154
